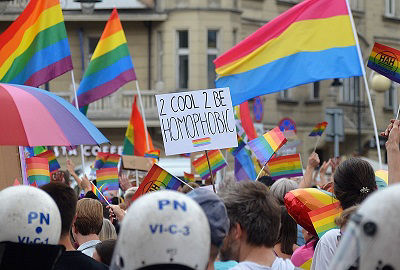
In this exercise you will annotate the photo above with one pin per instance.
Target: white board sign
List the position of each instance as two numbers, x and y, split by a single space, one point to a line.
196 120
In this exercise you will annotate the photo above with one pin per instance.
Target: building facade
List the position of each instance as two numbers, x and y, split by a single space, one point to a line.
173 44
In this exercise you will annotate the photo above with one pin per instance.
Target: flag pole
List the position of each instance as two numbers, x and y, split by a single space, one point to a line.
316 144
143 114
100 192
378 147
262 169
211 172
77 106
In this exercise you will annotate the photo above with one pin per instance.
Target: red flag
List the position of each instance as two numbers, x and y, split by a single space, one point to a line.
139 130
247 122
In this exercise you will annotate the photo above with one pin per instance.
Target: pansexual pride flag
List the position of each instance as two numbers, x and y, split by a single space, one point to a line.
266 145
285 166
34 49
217 162
381 178
385 60
51 157
110 66
108 178
318 129
310 42
157 178
323 218
37 171
188 176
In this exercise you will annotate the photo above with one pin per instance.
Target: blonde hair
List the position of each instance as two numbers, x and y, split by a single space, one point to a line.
107 231
186 189
89 216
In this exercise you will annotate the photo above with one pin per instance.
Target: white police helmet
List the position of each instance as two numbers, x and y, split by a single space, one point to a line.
163 229
372 237
28 215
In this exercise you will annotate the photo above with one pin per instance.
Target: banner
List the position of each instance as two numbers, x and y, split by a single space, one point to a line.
196 121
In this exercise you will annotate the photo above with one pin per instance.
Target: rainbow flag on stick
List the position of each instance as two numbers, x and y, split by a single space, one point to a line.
153 154
156 179
51 157
285 166
217 162
266 145
188 176
37 170
111 161
110 66
108 178
323 219
101 158
34 49
385 61
318 129
381 178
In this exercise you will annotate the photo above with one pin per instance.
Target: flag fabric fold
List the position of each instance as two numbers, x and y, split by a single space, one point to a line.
37 171
51 157
107 178
217 162
285 166
310 42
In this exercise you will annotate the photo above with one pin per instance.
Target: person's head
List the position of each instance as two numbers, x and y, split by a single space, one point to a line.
254 216
287 233
107 231
266 180
372 239
354 180
281 187
217 216
342 220
89 217
186 189
163 230
66 200
29 215
104 251
128 196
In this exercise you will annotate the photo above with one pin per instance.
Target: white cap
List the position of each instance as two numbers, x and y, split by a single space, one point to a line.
163 228
29 215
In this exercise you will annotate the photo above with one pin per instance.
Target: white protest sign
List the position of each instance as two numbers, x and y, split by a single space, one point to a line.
196 120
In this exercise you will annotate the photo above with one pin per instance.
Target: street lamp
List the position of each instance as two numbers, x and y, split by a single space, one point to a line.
88 5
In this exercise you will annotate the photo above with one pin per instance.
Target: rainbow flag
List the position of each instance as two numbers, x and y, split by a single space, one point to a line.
35 150
188 176
51 157
101 158
111 161
300 202
266 145
285 166
318 129
323 218
107 177
310 42
217 162
110 66
37 171
34 49
241 144
201 142
153 154
381 178
384 60
156 179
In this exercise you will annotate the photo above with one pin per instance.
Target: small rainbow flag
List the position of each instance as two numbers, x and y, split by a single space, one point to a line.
51 157
153 154
97 193
266 145
285 166
35 150
157 178
111 161
107 177
385 61
323 219
318 129
100 160
188 176
381 178
201 142
37 170
217 162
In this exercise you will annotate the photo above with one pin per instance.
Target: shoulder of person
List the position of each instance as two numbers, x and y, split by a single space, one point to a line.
77 260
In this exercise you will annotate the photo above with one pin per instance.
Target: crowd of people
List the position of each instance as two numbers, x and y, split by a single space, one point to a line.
245 225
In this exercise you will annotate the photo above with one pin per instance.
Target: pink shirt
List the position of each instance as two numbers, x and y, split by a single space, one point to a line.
303 255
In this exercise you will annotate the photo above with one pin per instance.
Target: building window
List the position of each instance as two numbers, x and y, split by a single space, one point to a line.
315 89
234 36
350 90
356 5
160 56
183 59
285 94
390 97
212 53
390 8
92 42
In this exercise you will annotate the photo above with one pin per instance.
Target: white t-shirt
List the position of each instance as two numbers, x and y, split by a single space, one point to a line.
279 264
325 250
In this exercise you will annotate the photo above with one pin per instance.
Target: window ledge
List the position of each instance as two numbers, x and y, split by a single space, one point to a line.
388 109
394 18
313 102
287 101
347 104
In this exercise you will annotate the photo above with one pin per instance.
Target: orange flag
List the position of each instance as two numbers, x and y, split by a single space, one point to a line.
140 132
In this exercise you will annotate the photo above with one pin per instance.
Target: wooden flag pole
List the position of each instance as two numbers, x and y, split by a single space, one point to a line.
211 172
262 169
316 144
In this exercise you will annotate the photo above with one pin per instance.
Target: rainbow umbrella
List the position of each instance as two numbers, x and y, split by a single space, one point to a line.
32 117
